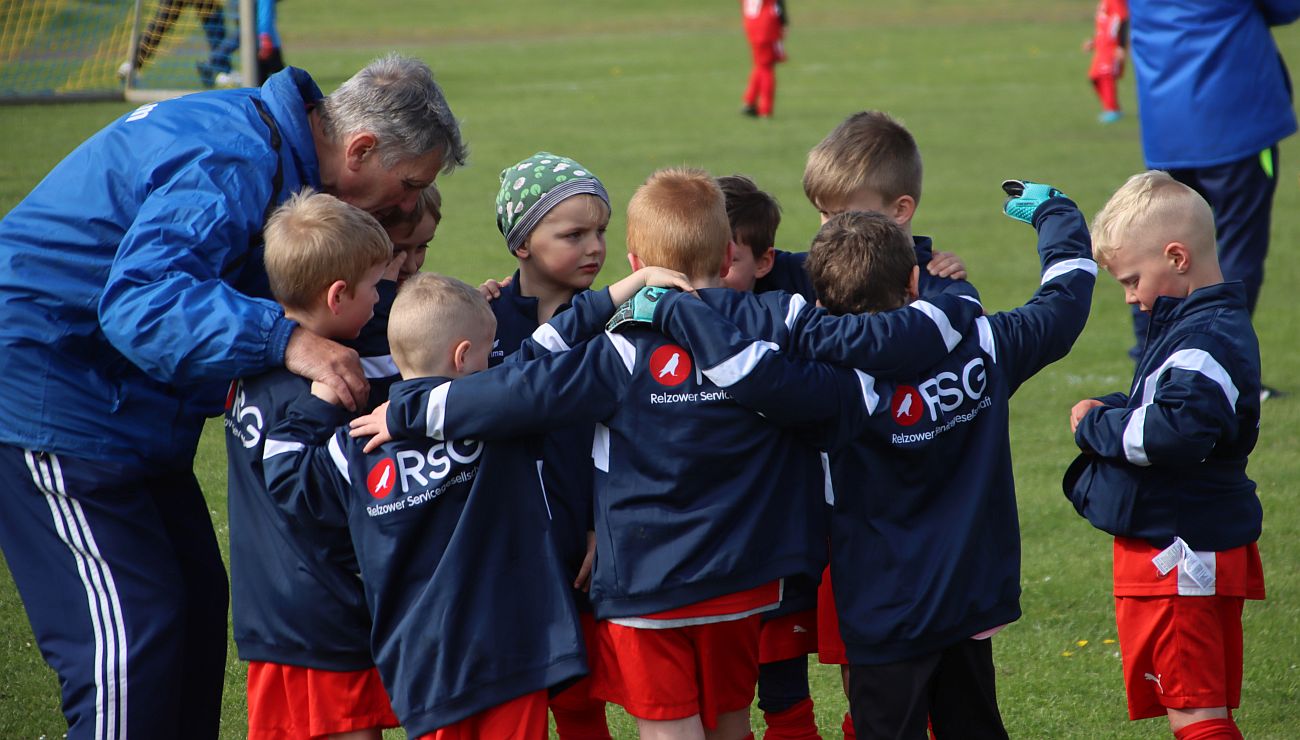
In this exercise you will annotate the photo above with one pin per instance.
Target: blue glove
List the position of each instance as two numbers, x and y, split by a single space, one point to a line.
1024 197
640 310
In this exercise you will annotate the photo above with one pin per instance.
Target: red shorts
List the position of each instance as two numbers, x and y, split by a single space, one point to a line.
286 701
830 646
787 637
1180 652
521 718
663 674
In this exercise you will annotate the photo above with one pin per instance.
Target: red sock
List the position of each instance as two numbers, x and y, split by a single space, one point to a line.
1210 729
1107 92
847 728
795 723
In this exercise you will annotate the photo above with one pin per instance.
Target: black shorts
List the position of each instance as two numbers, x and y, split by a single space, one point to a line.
954 689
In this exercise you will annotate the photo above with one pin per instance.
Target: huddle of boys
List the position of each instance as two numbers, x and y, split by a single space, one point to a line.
472 553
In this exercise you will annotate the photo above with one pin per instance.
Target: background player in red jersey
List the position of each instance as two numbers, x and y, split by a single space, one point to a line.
1107 45
765 22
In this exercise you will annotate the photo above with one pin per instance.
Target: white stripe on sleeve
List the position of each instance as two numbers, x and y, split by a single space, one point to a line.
793 308
737 367
626 350
340 460
381 366
548 337
275 447
986 338
869 395
1197 361
1061 267
951 337
1134 437
435 414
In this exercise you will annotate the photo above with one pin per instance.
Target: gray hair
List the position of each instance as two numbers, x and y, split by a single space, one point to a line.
396 99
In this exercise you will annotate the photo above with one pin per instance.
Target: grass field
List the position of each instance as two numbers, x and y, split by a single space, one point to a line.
991 90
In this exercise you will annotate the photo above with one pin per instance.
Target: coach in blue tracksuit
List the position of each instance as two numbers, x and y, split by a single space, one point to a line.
1214 99
131 292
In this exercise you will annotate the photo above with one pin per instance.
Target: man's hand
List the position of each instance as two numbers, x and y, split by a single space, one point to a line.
1081 410
373 425
1024 197
491 289
318 359
946 265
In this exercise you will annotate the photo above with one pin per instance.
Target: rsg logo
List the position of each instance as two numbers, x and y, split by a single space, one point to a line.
426 468
946 391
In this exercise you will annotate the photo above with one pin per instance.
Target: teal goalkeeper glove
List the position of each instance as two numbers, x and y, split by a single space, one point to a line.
1024 197
640 310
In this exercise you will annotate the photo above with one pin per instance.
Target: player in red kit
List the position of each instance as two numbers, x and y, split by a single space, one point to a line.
765 27
1107 46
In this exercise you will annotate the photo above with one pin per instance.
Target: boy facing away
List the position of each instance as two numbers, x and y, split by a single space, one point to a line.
688 552
1164 467
299 616
926 556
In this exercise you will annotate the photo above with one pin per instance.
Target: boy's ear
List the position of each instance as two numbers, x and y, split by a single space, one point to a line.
359 146
914 284
765 263
1179 256
634 261
903 209
727 258
460 356
335 294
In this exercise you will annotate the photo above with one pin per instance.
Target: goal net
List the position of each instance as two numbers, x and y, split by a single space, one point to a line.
111 49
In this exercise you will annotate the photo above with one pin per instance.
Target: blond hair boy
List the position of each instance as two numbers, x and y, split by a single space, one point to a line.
1164 469
299 615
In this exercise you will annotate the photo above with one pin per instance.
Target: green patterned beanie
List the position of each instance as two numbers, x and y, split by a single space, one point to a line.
530 189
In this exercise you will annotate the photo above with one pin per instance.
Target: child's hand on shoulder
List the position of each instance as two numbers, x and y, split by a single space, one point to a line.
491 289
325 393
655 277
1081 410
947 265
373 425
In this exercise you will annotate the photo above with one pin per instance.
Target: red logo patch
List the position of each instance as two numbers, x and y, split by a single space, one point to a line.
670 365
381 479
906 405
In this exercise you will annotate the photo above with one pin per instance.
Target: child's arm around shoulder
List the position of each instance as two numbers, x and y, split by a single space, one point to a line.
1027 339
1189 404
302 473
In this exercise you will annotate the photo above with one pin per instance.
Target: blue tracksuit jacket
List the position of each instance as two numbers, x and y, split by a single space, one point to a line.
566 452
296 598
1212 87
695 496
469 601
925 543
131 280
1169 458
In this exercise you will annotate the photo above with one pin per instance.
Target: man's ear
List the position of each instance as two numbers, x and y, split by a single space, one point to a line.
359 146
460 355
728 258
914 284
634 261
903 209
765 263
1179 256
335 294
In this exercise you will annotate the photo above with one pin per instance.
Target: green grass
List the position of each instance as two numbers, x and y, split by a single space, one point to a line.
991 90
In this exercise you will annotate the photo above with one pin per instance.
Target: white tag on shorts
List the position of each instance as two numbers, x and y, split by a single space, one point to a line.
1169 557
1180 554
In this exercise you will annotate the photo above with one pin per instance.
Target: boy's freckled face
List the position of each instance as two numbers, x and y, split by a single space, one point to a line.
357 309
862 200
1145 275
744 269
567 248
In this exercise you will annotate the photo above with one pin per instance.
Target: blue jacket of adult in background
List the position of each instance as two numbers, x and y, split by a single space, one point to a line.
131 280
1212 87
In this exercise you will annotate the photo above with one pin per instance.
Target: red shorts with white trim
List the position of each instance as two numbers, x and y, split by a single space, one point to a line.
664 674
521 718
830 646
789 636
1180 652
287 701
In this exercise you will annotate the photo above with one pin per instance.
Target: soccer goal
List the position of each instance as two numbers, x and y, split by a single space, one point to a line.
138 50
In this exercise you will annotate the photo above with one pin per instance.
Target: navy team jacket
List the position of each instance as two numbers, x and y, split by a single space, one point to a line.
1169 459
925 543
696 497
566 451
469 601
296 598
